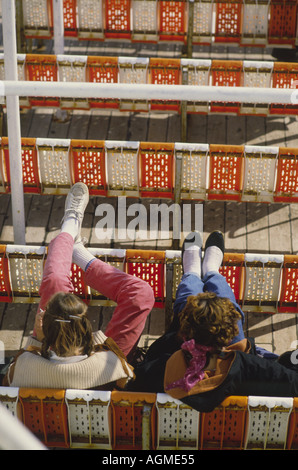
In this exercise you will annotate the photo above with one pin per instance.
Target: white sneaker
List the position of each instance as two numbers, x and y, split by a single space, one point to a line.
76 203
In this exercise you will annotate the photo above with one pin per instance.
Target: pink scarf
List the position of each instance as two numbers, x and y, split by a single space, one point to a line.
194 372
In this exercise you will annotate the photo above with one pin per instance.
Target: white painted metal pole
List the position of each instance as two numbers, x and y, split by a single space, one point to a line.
138 91
58 27
14 435
13 122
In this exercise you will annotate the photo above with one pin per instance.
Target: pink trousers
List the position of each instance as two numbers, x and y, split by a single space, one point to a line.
134 297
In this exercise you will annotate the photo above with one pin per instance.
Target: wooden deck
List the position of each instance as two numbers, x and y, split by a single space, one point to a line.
248 227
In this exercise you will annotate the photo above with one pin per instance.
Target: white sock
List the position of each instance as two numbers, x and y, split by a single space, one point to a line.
81 256
71 225
192 260
213 257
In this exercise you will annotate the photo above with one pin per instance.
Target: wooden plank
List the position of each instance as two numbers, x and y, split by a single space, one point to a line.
59 129
257 228
235 213
236 130
26 116
255 130
138 127
165 232
7 234
118 129
195 223
123 237
157 322
279 228
174 128
275 131
40 122
79 124
143 238
38 217
28 330
294 228
107 242
291 135
259 327
75 47
5 202
158 127
54 224
284 332
235 227
99 124
2 311
2 220
197 127
216 131
12 328
214 217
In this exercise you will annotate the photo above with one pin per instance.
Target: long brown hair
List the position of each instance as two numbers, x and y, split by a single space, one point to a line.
209 320
67 330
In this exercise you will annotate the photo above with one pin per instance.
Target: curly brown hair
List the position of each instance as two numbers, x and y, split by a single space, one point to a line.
209 320
67 330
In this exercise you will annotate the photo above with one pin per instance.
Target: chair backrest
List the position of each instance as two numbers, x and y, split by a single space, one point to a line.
143 421
89 418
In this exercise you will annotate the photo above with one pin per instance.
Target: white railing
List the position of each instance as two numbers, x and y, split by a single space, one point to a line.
146 92
12 89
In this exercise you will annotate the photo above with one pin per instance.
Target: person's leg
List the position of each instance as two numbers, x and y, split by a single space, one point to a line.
134 297
191 282
56 275
213 280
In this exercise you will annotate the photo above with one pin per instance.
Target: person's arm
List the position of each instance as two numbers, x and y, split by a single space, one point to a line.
37 331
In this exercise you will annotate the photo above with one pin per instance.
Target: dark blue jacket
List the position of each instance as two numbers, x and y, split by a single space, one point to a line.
249 374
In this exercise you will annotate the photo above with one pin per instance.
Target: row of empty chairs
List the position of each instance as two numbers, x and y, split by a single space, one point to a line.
261 283
175 171
159 71
239 22
144 421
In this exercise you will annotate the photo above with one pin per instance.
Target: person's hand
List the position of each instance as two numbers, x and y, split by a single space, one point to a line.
38 325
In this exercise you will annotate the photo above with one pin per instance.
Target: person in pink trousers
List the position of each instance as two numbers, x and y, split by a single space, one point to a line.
63 352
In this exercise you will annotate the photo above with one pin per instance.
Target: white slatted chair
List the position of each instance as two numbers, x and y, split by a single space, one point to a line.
122 168
268 419
72 69
54 165
9 399
89 418
178 424
26 271
194 169
198 73
90 19
144 20
262 282
255 23
203 21
36 18
256 75
260 173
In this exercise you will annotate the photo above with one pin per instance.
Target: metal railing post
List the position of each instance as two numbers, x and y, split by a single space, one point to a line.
58 27
13 122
